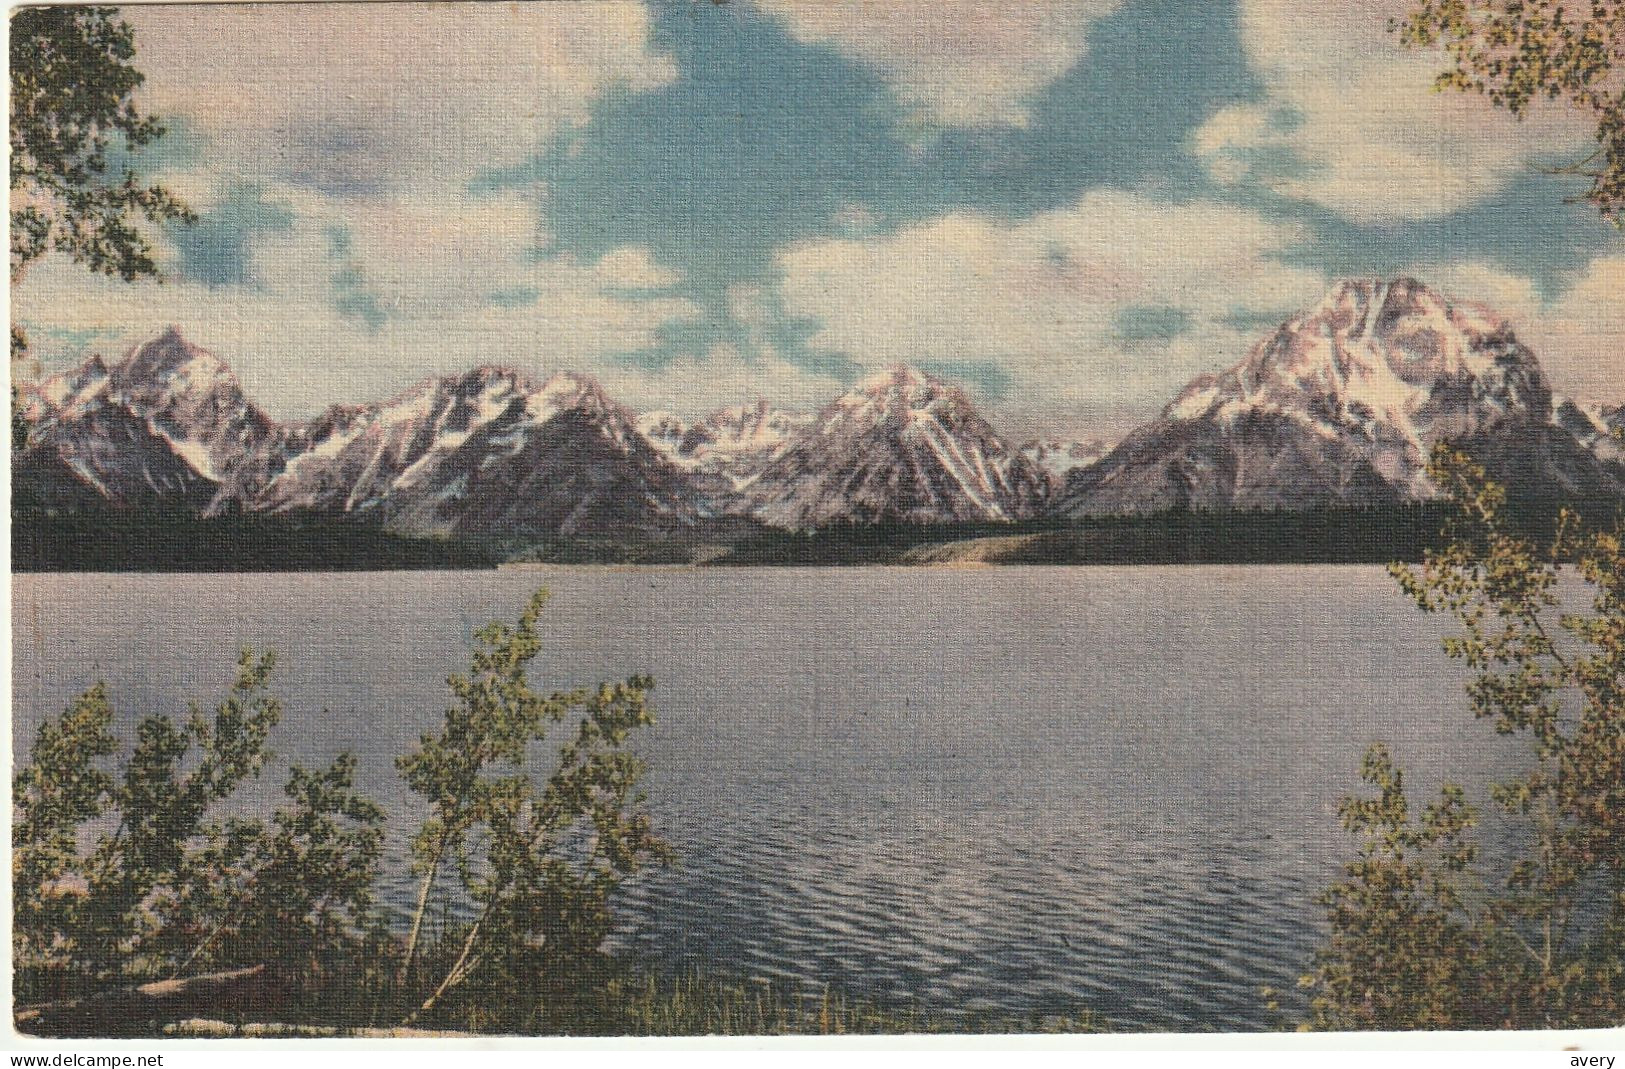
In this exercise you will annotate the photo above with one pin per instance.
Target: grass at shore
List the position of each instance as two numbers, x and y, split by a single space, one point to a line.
617 1001
650 1006
697 1005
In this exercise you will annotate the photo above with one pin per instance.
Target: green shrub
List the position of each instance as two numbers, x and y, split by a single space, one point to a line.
537 861
122 873
1419 939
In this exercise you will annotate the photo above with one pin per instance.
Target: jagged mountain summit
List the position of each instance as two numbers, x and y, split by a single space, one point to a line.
900 447
485 452
1059 459
1343 405
168 425
725 451
492 452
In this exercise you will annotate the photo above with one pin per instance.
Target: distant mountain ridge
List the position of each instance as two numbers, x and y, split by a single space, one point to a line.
900 447
492 451
1339 406
1059 459
725 452
1343 404
169 425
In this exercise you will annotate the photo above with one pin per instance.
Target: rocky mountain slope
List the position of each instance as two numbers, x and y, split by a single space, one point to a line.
1595 426
1342 405
493 452
901 447
169 425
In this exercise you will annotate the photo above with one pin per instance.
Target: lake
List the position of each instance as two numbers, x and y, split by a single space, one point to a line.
1012 789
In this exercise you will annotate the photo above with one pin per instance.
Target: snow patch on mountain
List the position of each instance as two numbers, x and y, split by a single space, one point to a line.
1058 459
900 447
1343 405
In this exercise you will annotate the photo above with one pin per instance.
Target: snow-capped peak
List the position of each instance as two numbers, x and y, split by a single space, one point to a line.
725 451
1058 459
570 383
902 377
69 389
1341 404
1397 335
169 421
754 426
900 395
902 384
900 446
1396 365
663 428
175 363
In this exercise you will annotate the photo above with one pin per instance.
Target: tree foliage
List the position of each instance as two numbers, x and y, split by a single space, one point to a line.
60 789
297 892
121 870
1517 52
1419 939
538 862
1400 945
125 869
73 113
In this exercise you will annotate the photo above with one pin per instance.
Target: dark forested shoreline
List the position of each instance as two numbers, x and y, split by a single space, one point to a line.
48 540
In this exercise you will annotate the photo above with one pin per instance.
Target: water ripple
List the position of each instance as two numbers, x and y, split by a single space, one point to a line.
1021 790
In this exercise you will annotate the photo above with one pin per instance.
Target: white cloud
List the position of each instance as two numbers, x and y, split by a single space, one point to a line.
956 62
1578 335
1051 300
365 123
633 268
374 95
429 267
1350 119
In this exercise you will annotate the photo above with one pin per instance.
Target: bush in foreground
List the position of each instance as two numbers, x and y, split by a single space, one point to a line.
1420 938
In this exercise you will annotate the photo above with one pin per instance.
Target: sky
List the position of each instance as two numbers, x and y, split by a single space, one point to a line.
1070 208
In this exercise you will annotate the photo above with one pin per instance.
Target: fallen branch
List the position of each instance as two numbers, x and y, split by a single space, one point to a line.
144 1010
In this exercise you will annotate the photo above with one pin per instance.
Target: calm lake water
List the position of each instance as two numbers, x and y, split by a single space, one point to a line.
1016 789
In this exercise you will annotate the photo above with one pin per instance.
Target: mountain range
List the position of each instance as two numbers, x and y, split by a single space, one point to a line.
1339 406
1343 404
